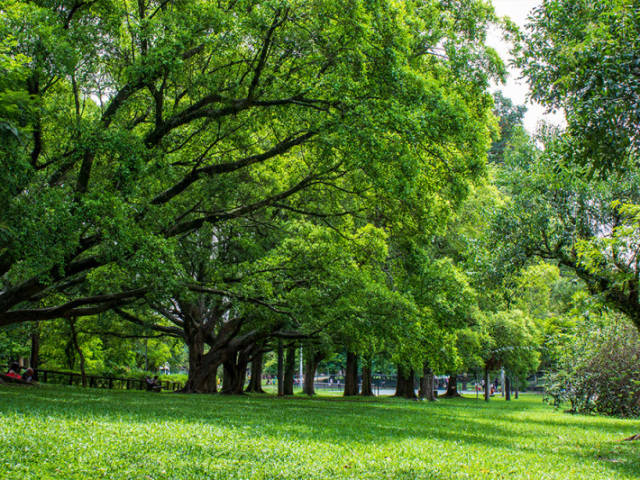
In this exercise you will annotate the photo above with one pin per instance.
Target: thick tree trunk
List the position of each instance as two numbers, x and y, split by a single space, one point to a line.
290 369
34 361
255 382
507 388
452 386
427 386
202 375
226 346
367 387
234 377
404 387
487 387
311 366
351 375
280 368
226 380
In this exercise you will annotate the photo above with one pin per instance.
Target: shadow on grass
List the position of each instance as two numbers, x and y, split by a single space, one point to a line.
513 427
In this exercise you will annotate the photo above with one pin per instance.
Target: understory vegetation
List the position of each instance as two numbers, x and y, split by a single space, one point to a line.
69 433
599 370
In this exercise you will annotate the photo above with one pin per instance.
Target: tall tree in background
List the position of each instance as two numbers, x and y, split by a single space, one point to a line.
510 122
582 56
589 226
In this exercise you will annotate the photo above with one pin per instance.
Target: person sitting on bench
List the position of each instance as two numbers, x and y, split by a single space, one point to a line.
153 385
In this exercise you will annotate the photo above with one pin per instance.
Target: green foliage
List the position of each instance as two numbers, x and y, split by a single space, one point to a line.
124 435
514 341
559 215
599 371
107 347
510 122
155 120
14 343
581 56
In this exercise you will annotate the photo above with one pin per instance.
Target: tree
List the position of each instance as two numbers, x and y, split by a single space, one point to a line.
155 119
586 225
513 344
581 56
509 121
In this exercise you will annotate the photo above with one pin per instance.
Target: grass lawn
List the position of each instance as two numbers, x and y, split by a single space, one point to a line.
70 433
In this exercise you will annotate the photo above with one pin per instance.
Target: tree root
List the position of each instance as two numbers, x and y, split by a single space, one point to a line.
632 438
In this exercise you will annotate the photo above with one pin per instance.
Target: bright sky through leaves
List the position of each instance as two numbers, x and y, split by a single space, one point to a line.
516 88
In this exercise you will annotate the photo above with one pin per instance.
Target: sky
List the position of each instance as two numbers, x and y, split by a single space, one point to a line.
516 89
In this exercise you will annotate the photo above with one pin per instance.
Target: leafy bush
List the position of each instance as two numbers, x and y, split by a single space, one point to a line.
600 370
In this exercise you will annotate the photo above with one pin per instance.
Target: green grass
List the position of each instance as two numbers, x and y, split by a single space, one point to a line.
70 433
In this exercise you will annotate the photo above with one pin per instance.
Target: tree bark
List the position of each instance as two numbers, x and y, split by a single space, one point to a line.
280 368
367 387
404 387
226 346
427 386
235 374
351 375
507 388
74 339
34 361
255 382
311 366
202 376
290 369
487 387
464 380
452 386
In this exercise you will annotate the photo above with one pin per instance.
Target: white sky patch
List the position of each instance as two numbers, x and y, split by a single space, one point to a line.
516 88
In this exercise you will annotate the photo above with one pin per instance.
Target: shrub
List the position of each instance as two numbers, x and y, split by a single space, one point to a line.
600 370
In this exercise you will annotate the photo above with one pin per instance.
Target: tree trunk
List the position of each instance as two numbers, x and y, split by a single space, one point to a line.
367 387
507 388
34 361
351 375
74 339
226 346
427 386
255 382
405 385
452 386
290 369
280 368
311 366
515 386
202 376
235 374
487 387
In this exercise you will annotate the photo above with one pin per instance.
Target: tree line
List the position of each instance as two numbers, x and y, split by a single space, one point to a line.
247 176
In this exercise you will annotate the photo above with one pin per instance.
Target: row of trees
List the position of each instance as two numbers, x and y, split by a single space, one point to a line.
247 176
240 173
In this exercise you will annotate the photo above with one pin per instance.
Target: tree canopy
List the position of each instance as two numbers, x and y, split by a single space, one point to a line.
150 120
582 56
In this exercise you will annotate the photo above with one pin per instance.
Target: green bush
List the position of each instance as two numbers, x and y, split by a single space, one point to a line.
600 370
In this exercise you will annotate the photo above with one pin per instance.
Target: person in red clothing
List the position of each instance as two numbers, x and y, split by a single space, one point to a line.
13 371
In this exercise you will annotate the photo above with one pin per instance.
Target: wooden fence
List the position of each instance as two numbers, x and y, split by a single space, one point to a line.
95 381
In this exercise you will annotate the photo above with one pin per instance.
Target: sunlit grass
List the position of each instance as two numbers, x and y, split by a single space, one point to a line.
70 433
